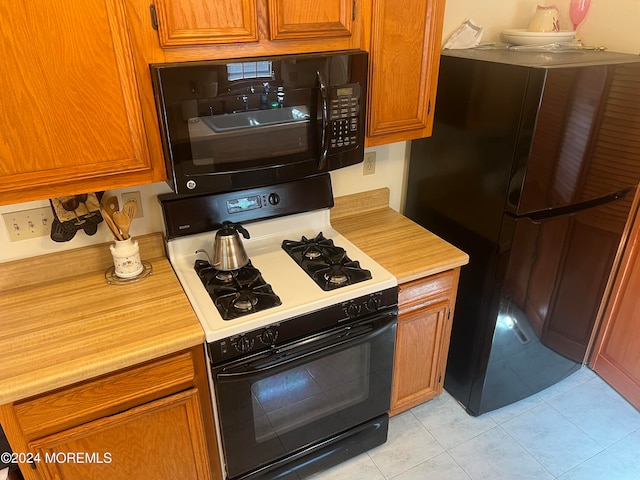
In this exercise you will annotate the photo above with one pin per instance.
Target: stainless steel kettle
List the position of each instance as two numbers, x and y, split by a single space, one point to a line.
228 251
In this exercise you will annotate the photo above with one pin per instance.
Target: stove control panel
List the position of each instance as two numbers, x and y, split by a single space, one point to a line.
277 334
363 305
246 342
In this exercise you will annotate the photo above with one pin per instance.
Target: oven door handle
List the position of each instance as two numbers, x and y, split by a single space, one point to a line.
299 353
325 121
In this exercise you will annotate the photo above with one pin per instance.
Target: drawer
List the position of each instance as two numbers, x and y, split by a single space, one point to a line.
103 396
422 292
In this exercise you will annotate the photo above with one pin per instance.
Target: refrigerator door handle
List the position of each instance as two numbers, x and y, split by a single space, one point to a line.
542 215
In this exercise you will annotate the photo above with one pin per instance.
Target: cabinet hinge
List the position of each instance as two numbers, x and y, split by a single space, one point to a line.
429 107
154 16
353 11
439 378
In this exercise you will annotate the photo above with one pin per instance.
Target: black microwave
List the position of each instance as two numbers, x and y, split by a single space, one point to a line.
244 123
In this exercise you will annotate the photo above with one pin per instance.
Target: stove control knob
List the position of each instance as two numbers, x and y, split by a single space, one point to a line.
373 304
353 310
269 336
274 198
244 344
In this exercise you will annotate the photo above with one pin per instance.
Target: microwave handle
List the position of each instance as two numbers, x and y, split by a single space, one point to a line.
325 122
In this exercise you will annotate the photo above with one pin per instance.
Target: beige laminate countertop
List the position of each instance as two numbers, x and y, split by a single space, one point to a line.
400 245
62 323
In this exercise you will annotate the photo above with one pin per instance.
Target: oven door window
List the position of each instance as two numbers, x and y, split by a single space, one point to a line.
297 398
273 412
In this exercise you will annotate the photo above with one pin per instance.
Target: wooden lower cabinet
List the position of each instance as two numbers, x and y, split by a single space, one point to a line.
148 422
160 439
422 340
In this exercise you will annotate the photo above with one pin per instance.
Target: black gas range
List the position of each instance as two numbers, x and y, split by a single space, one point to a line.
300 340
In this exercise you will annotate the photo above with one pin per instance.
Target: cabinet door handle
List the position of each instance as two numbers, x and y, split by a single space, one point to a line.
154 16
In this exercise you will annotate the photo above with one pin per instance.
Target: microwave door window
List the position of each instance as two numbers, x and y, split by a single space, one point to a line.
249 136
248 115
242 137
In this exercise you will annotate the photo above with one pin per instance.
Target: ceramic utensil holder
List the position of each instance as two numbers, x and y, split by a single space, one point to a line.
126 258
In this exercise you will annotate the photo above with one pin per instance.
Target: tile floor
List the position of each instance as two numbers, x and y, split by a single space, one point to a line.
579 429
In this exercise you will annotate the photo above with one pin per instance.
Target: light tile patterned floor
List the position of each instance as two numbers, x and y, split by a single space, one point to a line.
579 429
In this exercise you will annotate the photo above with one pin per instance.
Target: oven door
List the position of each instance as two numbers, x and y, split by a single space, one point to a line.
277 404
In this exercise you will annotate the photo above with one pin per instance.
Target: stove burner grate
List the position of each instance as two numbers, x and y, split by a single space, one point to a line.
236 293
326 263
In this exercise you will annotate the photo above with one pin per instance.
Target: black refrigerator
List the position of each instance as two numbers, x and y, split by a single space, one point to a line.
531 169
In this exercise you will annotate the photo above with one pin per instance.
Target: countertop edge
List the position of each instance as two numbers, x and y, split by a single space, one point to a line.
89 368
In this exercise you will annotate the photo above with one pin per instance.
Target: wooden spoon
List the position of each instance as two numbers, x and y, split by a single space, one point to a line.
130 209
112 226
110 205
123 222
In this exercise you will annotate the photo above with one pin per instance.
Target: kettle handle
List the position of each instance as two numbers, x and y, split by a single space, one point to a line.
237 227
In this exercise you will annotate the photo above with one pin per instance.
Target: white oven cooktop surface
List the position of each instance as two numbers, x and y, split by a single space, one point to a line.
297 291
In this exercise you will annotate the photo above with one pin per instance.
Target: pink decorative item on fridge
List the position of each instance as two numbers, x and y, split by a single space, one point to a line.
578 11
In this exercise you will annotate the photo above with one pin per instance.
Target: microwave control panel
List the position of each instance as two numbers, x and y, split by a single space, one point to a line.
344 110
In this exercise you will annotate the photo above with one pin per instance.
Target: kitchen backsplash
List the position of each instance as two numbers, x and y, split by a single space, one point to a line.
390 167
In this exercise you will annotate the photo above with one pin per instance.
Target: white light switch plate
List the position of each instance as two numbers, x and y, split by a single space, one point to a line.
27 224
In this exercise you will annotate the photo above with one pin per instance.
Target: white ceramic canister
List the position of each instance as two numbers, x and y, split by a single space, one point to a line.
126 258
546 19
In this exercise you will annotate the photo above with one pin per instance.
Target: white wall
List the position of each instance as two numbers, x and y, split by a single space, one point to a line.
611 23
390 167
151 222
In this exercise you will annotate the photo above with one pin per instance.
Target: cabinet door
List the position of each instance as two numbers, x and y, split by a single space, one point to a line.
405 53
71 111
161 439
300 19
200 22
422 339
205 30
616 357
418 366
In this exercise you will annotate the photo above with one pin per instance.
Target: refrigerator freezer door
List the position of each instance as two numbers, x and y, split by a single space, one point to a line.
584 144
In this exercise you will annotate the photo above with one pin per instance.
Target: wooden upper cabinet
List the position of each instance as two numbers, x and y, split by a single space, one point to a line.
203 29
199 22
404 59
298 19
71 111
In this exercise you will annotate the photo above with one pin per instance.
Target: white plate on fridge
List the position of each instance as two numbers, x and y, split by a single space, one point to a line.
525 37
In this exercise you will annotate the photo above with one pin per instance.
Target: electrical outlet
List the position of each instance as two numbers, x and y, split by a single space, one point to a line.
28 223
133 197
369 167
